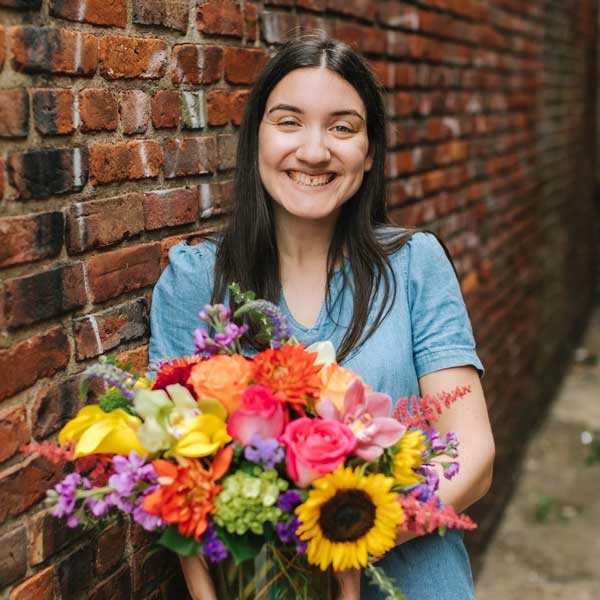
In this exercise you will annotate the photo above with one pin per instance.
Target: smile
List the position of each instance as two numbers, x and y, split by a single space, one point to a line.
311 180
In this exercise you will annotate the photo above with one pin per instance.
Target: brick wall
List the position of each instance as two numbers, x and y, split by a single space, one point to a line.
118 125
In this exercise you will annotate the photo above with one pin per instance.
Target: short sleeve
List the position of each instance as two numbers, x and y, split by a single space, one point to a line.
182 291
441 330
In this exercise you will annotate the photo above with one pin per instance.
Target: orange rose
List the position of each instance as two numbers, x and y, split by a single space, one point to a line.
336 380
222 378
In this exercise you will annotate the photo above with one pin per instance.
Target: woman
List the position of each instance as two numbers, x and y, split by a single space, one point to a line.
308 231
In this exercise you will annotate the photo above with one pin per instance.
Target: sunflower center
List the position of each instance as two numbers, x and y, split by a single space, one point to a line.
347 516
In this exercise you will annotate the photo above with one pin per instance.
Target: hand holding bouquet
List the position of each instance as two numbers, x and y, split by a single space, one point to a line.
226 456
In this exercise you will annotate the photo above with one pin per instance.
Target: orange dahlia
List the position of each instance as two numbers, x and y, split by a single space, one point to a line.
291 373
221 378
187 491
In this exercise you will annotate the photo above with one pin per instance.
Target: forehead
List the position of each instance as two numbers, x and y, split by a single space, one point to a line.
316 89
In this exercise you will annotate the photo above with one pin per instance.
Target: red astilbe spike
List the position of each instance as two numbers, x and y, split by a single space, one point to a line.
426 517
51 451
421 412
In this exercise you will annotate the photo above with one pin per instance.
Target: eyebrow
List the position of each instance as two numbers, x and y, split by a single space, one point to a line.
295 109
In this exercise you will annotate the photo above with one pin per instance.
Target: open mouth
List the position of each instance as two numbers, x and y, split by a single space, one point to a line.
311 180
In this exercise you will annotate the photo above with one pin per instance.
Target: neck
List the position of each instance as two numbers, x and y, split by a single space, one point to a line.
303 242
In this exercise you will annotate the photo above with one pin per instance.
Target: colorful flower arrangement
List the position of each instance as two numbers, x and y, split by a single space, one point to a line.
220 453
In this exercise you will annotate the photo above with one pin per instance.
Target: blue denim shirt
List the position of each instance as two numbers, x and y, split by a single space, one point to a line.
427 329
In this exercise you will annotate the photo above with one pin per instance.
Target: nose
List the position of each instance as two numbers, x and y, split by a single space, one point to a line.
313 148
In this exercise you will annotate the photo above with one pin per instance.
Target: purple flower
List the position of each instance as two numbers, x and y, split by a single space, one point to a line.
289 500
286 532
450 470
99 507
266 452
146 520
212 546
65 490
114 376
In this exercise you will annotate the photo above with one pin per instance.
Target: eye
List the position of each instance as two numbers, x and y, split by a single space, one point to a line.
342 129
288 123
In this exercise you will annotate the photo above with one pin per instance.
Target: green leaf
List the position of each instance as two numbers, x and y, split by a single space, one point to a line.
242 548
174 541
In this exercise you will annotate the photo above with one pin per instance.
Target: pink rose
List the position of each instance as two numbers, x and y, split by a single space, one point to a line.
315 447
260 412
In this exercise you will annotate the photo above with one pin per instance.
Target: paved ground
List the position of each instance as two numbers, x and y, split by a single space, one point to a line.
548 544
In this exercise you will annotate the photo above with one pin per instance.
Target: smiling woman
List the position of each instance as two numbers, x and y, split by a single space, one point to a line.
309 231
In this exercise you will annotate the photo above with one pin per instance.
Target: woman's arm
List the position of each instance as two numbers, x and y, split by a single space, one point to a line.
197 578
468 419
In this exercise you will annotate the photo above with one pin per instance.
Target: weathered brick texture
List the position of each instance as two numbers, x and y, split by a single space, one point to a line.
118 123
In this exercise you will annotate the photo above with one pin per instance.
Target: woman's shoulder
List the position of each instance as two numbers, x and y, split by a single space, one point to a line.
406 245
193 257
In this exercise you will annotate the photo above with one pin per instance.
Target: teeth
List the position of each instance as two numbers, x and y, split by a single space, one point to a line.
305 179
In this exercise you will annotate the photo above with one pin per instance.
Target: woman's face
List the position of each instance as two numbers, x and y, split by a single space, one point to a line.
313 149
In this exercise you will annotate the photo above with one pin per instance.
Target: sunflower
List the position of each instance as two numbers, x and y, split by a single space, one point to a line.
349 517
291 373
408 457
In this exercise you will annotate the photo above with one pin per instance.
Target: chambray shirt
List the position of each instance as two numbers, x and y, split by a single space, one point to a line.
426 329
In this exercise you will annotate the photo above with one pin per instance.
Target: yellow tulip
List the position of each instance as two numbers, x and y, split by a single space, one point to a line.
98 432
203 436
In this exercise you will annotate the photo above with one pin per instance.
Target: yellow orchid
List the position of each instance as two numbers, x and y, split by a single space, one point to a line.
176 423
99 432
203 436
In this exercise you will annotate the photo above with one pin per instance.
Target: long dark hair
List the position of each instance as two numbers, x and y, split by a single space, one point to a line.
247 252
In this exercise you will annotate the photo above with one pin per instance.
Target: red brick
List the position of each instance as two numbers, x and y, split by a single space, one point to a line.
98 110
217 104
74 573
30 237
13 555
98 223
169 208
237 105
117 587
250 21
46 355
126 57
364 39
316 5
54 111
49 293
46 50
48 535
189 156
242 65
134 109
37 587
22 485
226 151
14 432
127 160
220 17
136 357
215 198
98 333
42 173
2 47
110 548
97 12
165 109
149 570
166 13
277 27
195 63
53 406
113 273
364 9
14 113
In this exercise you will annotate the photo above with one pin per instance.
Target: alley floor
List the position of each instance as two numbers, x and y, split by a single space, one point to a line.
548 544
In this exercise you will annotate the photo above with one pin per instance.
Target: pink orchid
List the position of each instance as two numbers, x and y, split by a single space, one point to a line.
368 416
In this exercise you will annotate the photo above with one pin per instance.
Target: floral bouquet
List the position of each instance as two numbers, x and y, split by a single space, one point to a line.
278 469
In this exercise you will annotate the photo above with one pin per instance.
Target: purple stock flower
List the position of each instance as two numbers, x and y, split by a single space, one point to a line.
146 520
289 500
114 376
65 490
212 546
451 470
266 452
98 506
286 532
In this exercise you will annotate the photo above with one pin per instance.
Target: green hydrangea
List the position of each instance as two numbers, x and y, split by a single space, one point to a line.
248 501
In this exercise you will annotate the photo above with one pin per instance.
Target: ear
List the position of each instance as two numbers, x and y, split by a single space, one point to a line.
369 160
